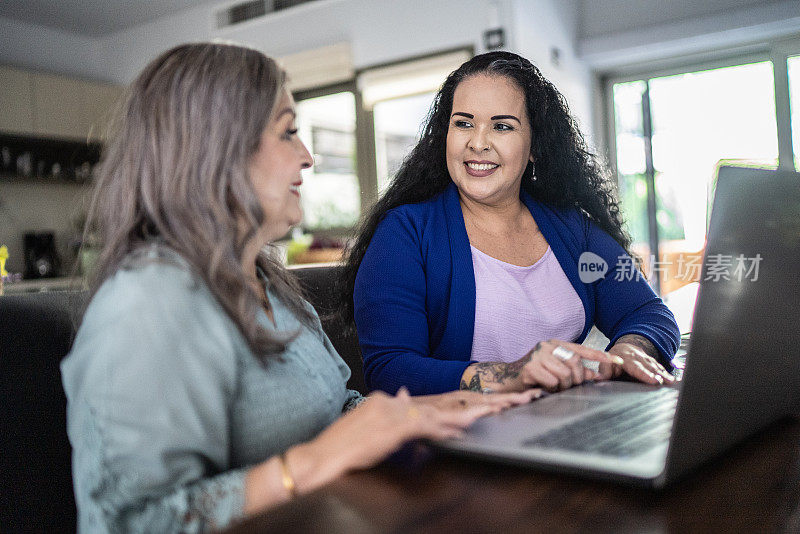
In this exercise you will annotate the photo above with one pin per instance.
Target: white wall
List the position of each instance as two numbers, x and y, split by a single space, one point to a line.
617 33
545 26
38 48
379 31
601 17
382 31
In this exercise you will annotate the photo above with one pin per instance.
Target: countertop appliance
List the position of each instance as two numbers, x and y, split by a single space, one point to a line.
41 258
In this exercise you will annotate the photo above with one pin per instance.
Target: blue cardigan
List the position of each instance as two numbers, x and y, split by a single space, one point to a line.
414 294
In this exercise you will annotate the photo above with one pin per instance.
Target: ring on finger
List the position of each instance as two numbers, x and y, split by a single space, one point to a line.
563 353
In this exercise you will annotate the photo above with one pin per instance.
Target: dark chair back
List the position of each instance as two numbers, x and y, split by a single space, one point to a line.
319 283
36 331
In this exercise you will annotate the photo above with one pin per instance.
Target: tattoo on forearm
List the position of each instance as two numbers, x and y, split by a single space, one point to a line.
642 342
474 384
492 373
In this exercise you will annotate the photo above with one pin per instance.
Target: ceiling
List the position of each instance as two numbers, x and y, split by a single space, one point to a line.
97 18
93 18
599 17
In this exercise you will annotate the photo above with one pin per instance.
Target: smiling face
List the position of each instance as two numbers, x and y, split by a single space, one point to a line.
488 139
275 170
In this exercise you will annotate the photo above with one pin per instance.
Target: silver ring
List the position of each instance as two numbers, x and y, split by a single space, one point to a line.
563 353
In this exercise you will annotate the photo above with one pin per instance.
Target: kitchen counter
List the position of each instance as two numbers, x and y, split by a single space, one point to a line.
43 284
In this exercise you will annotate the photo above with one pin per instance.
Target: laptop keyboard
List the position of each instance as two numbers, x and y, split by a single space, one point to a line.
622 431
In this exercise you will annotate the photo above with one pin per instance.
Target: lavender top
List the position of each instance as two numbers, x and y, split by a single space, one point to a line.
517 307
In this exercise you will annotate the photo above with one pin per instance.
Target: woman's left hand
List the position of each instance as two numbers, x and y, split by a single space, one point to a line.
637 363
470 399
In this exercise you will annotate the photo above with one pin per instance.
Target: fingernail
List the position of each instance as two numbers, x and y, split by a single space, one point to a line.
617 360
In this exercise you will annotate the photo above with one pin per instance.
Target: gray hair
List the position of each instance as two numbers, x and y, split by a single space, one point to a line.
175 171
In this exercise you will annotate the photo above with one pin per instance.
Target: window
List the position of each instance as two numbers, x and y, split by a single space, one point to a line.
631 164
670 133
399 97
793 66
331 194
359 127
397 129
360 130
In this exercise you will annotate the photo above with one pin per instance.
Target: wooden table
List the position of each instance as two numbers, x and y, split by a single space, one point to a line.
753 488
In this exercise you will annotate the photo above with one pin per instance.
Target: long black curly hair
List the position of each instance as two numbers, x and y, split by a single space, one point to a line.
567 174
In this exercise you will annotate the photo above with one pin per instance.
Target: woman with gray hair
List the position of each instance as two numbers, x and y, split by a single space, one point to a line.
201 386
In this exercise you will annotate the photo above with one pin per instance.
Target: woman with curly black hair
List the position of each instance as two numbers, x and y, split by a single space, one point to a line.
496 248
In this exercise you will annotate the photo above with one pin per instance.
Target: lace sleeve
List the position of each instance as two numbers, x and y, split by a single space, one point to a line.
206 505
354 398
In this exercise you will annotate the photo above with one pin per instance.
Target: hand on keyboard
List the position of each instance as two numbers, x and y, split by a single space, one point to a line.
552 365
639 361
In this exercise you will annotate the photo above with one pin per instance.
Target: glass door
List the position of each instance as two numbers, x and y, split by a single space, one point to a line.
672 132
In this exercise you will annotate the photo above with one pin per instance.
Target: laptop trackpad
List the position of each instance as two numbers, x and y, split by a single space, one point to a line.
523 422
562 407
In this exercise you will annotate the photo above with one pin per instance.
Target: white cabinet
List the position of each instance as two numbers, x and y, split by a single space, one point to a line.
100 102
16 101
46 105
58 109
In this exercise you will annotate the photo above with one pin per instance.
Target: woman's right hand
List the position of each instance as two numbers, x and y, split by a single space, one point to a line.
382 423
542 367
363 437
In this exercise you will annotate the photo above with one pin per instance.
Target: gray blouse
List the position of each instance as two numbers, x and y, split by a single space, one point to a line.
168 406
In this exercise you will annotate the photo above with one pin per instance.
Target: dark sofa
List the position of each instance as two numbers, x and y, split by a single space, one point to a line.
36 332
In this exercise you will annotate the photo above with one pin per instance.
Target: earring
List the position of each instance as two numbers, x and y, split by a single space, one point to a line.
533 172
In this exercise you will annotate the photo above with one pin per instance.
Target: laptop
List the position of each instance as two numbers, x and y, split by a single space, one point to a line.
740 368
